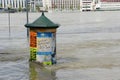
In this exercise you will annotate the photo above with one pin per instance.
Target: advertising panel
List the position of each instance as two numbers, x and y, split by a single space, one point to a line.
33 46
44 47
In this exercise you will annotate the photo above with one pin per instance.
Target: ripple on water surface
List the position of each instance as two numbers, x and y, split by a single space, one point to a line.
17 70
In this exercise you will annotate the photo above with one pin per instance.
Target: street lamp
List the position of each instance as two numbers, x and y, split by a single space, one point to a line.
9 20
27 17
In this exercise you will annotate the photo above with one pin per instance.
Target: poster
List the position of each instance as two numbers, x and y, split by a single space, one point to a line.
33 52
44 47
33 46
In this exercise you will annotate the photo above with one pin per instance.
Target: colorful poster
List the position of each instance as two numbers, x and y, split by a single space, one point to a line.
33 36
33 45
33 52
44 43
44 47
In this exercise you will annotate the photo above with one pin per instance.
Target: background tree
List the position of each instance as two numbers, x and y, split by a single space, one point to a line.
38 8
20 9
1 5
71 7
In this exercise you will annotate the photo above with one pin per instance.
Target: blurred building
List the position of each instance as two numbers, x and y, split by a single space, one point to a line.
65 4
12 3
110 0
47 5
61 5
110 4
35 5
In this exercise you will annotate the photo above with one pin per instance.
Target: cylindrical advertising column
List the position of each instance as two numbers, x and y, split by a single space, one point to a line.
43 40
45 46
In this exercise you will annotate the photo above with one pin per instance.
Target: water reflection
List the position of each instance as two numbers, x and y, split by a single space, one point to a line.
38 72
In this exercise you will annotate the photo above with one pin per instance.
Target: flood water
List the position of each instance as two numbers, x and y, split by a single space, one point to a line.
88 47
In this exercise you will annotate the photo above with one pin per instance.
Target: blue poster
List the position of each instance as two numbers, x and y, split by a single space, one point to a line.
44 46
44 35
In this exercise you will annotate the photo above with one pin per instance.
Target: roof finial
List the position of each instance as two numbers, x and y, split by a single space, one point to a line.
42 13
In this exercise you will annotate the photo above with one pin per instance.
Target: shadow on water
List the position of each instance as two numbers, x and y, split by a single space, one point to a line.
38 72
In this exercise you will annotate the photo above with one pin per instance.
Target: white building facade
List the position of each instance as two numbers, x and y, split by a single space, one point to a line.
13 3
68 5
59 5
110 4
33 4
65 4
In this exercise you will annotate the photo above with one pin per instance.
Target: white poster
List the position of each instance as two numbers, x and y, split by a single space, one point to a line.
44 46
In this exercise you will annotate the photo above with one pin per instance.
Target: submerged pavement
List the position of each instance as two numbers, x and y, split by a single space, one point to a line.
88 47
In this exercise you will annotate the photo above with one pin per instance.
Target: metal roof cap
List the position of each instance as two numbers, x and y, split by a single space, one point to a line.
42 22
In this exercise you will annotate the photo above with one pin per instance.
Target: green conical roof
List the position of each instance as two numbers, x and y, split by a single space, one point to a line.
42 22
